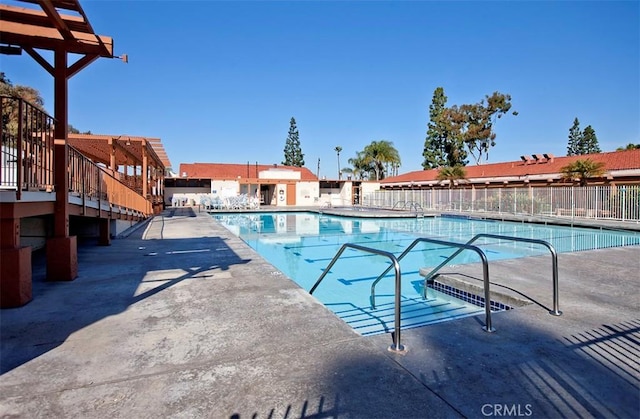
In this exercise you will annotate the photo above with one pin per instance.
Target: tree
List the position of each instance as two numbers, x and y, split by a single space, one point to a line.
292 152
347 170
582 142
454 146
590 141
26 93
338 149
629 146
360 165
10 110
443 144
476 122
378 154
574 147
434 143
451 174
582 170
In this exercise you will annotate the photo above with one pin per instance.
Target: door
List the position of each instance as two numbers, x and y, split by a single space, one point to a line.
291 194
355 194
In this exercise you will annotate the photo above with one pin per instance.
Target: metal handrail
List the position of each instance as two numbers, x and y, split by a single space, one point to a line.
416 207
396 346
410 204
461 246
397 204
554 262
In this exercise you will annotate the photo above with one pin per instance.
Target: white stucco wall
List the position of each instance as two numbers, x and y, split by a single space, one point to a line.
337 197
307 193
369 187
225 188
279 174
187 193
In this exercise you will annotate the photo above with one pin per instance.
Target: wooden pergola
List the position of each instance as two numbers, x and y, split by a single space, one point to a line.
60 26
139 162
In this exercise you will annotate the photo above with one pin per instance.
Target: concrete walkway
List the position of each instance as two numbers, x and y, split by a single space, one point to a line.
182 319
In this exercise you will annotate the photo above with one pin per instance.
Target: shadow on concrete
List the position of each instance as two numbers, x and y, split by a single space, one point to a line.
110 280
526 371
320 408
356 385
182 212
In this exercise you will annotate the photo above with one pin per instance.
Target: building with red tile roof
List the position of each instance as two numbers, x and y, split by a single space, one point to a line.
537 170
229 171
272 184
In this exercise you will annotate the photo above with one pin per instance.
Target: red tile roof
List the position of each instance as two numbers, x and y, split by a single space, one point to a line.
617 160
234 171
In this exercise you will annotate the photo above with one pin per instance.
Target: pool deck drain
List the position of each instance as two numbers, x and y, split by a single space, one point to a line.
217 334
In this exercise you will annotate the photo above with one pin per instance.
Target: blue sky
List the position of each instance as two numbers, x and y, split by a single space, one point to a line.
219 81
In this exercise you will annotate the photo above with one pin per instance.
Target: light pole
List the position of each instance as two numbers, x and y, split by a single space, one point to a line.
338 149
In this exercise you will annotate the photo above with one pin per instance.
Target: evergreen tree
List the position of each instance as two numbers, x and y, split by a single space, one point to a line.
574 147
477 122
454 146
590 141
292 152
434 144
582 142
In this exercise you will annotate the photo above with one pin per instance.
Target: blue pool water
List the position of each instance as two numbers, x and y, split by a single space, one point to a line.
301 245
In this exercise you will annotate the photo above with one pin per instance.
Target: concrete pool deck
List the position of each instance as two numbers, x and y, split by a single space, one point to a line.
182 319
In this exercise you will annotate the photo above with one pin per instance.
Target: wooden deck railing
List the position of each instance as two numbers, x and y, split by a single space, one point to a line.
26 158
90 181
27 162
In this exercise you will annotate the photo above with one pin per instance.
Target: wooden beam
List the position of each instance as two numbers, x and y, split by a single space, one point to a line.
81 63
39 37
39 59
56 19
26 209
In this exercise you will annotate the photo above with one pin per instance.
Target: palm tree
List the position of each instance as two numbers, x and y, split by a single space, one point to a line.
347 170
451 174
378 154
360 165
338 149
582 169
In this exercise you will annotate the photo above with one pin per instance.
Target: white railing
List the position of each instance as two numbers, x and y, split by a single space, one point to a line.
620 203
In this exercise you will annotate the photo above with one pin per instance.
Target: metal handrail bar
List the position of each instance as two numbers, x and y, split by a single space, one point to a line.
462 246
404 204
396 346
416 207
554 262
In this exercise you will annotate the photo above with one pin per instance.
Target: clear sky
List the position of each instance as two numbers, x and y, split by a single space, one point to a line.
219 81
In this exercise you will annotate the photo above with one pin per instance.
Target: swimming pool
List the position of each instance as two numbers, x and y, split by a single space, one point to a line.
301 245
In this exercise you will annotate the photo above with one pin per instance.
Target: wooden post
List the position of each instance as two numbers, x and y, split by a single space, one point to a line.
62 251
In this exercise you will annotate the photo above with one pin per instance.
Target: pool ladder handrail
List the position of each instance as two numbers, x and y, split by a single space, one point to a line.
461 246
417 208
397 205
396 346
554 262
554 265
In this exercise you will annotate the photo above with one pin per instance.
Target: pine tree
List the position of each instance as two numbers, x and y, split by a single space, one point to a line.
434 144
590 141
292 152
575 145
